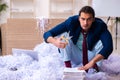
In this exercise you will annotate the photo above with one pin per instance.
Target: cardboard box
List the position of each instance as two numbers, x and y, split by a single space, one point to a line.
19 33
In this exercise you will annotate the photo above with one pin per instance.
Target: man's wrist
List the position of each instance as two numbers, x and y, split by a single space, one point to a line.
51 40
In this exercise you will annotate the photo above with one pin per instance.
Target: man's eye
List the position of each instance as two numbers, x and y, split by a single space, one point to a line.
83 18
89 19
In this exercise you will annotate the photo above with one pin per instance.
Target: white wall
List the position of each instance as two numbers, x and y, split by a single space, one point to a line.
107 7
42 8
78 4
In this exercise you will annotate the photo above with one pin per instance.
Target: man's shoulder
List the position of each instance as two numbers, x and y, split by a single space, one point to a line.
101 25
73 19
99 20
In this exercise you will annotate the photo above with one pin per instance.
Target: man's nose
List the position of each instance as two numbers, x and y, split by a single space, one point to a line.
86 22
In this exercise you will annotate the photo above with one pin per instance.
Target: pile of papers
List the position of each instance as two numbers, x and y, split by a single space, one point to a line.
73 74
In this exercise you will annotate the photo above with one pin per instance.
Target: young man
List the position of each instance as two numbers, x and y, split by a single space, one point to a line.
73 51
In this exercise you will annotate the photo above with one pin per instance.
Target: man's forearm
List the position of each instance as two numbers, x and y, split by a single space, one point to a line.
97 58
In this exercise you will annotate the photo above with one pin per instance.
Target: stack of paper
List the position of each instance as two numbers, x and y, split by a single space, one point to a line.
73 74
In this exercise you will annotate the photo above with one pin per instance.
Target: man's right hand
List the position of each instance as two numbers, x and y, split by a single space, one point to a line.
57 42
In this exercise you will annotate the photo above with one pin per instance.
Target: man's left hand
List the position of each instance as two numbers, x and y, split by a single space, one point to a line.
87 66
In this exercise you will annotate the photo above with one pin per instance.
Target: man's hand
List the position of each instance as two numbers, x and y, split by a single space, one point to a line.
60 42
97 58
87 66
57 42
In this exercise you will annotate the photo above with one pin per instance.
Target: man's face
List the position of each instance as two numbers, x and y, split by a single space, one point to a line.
86 20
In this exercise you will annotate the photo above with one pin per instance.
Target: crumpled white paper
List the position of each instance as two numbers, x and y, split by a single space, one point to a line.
49 66
42 24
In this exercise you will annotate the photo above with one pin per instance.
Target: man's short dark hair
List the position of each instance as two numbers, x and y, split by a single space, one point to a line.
87 9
